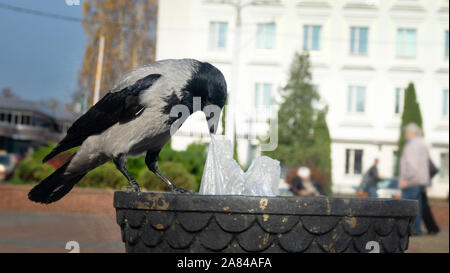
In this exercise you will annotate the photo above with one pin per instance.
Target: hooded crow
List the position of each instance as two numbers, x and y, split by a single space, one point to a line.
133 118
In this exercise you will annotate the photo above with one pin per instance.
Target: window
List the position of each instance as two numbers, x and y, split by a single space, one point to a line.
356 99
443 170
358 40
311 37
446 44
218 35
445 103
406 42
2 116
399 95
263 94
25 120
265 36
353 161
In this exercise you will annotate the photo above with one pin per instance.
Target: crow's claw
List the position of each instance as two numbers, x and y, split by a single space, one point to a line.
133 188
176 189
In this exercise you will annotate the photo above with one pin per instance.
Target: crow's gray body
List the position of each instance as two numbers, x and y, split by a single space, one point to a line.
132 119
144 133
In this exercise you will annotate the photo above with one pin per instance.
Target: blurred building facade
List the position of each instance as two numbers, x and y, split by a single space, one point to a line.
363 54
25 124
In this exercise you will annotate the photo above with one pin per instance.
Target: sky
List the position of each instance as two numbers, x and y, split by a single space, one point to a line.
39 56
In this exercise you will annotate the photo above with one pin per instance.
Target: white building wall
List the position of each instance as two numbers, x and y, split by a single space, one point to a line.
183 29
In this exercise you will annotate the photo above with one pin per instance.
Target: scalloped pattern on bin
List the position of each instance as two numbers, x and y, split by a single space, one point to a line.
170 231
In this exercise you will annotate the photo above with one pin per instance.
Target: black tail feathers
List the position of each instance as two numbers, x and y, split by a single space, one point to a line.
58 149
49 156
55 186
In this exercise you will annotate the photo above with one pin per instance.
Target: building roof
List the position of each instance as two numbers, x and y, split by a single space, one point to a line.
16 103
64 115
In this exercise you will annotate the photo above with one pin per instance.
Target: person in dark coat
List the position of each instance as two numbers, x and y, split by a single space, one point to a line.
371 179
427 215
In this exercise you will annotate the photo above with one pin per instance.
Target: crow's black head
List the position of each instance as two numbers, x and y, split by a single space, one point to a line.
209 84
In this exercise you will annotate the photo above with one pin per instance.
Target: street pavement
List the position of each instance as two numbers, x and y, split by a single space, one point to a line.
429 243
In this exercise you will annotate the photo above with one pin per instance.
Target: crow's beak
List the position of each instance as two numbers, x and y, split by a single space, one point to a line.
213 127
213 123
213 130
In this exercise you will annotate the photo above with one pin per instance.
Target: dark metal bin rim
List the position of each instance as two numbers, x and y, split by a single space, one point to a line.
288 205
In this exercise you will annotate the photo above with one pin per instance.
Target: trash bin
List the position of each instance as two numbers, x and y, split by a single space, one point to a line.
192 223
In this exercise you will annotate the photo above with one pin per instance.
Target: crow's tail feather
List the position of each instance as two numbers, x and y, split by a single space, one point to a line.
62 146
51 155
55 186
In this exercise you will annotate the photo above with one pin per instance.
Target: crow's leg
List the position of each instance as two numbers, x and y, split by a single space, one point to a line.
121 164
151 159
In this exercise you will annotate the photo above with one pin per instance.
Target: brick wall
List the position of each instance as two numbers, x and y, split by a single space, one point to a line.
79 200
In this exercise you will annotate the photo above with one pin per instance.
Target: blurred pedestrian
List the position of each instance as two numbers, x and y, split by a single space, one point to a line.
303 185
427 215
414 170
370 180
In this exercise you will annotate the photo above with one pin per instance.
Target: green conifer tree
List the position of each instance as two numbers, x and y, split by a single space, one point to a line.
303 135
411 114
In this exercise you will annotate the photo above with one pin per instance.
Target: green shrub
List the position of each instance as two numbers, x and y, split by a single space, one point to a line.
106 176
172 170
30 170
184 168
42 151
193 158
135 165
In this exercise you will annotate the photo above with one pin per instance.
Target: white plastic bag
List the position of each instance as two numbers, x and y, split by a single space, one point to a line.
223 175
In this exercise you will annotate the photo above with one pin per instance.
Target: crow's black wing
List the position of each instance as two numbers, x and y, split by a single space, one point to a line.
114 107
